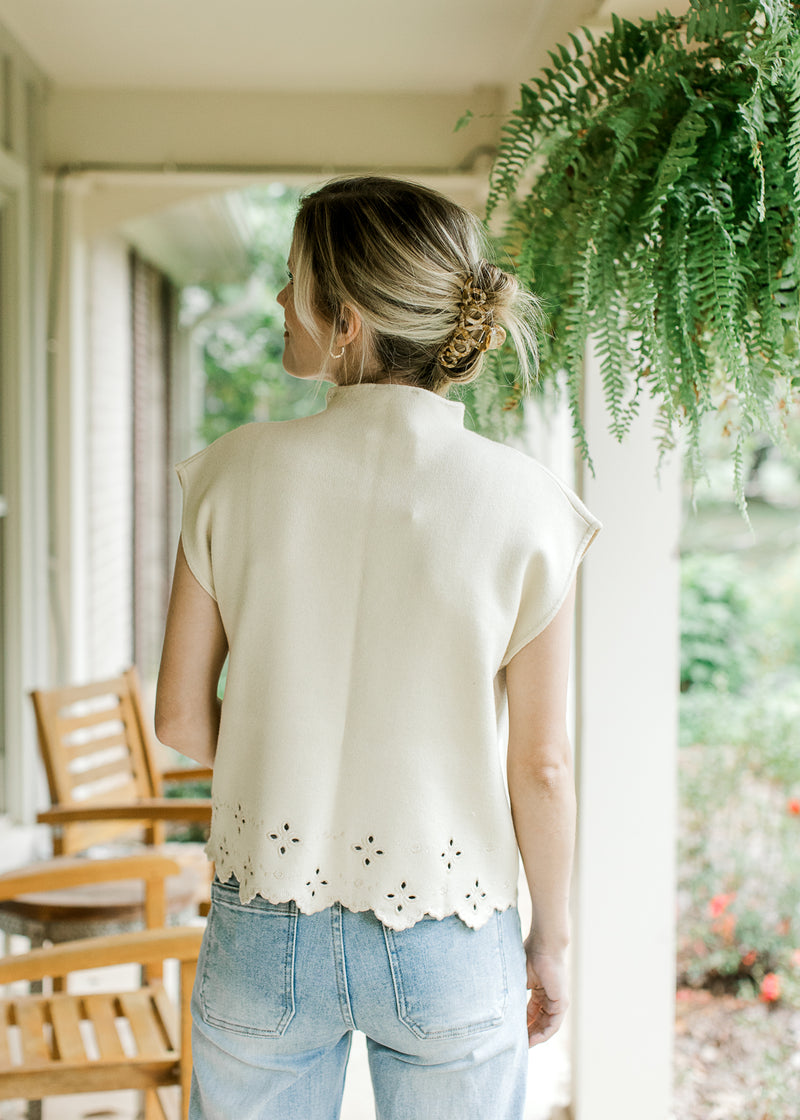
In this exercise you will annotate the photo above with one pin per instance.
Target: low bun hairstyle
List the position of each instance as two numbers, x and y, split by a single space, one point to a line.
414 265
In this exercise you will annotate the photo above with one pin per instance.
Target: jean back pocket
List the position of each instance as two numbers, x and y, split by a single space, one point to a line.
246 972
450 981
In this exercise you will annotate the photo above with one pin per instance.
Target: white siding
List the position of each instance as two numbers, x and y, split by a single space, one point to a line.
109 623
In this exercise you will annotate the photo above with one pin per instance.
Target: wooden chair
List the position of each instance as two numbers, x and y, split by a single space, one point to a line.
105 785
101 767
68 1043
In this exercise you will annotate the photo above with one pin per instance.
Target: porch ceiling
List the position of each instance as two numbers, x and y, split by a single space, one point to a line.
294 45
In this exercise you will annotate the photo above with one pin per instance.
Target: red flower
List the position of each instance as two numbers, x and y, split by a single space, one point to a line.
720 903
793 806
770 988
796 958
725 926
749 959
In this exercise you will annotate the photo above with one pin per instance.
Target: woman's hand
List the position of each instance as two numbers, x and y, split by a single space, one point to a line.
547 983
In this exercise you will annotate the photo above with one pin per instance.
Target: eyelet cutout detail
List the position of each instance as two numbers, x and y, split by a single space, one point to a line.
314 884
284 838
475 895
451 854
368 850
400 897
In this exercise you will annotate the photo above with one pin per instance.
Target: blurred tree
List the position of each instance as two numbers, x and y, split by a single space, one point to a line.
239 327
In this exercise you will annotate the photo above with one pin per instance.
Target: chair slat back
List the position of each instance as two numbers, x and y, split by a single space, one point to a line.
95 748
52 1055
51 1045
65 1017
101 1008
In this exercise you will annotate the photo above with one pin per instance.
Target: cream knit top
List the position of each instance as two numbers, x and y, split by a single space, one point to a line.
376 566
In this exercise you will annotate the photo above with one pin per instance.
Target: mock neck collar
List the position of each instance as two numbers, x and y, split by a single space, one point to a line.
395 396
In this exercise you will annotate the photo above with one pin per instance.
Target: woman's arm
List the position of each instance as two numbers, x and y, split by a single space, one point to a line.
195 645
542 791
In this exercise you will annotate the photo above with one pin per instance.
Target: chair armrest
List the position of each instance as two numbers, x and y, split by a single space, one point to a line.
188 774
148 809
62 873
140 947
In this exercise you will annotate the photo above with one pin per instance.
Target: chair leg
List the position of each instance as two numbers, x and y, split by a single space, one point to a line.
34 1110
36 987
153 1108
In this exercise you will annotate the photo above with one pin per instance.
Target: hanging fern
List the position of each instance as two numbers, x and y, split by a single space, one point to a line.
652 186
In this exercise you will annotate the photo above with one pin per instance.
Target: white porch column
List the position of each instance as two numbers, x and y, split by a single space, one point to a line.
23 568
628 669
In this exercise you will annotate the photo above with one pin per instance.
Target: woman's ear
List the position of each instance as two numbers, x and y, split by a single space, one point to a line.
349 326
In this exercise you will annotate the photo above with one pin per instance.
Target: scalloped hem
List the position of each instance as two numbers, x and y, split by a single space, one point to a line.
394 916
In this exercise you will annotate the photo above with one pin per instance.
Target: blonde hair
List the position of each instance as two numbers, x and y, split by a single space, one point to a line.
414 265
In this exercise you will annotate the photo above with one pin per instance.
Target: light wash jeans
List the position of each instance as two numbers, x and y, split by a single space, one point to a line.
279 993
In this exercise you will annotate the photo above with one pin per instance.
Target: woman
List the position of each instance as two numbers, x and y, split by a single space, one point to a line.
382 579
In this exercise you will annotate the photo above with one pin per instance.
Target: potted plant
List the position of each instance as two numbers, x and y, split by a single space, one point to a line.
651 188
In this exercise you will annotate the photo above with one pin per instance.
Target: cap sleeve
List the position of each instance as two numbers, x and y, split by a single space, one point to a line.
195 475
564 528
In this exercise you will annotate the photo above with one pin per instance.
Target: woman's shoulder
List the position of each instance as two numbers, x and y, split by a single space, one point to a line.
515 467
237 445
532 489
220 461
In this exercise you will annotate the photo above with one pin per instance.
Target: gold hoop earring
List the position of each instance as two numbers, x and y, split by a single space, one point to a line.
337 356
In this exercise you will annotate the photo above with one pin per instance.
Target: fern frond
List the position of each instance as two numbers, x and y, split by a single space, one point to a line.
663 217
793 131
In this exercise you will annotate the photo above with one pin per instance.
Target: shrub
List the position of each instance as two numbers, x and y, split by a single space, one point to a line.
739 865
716 614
